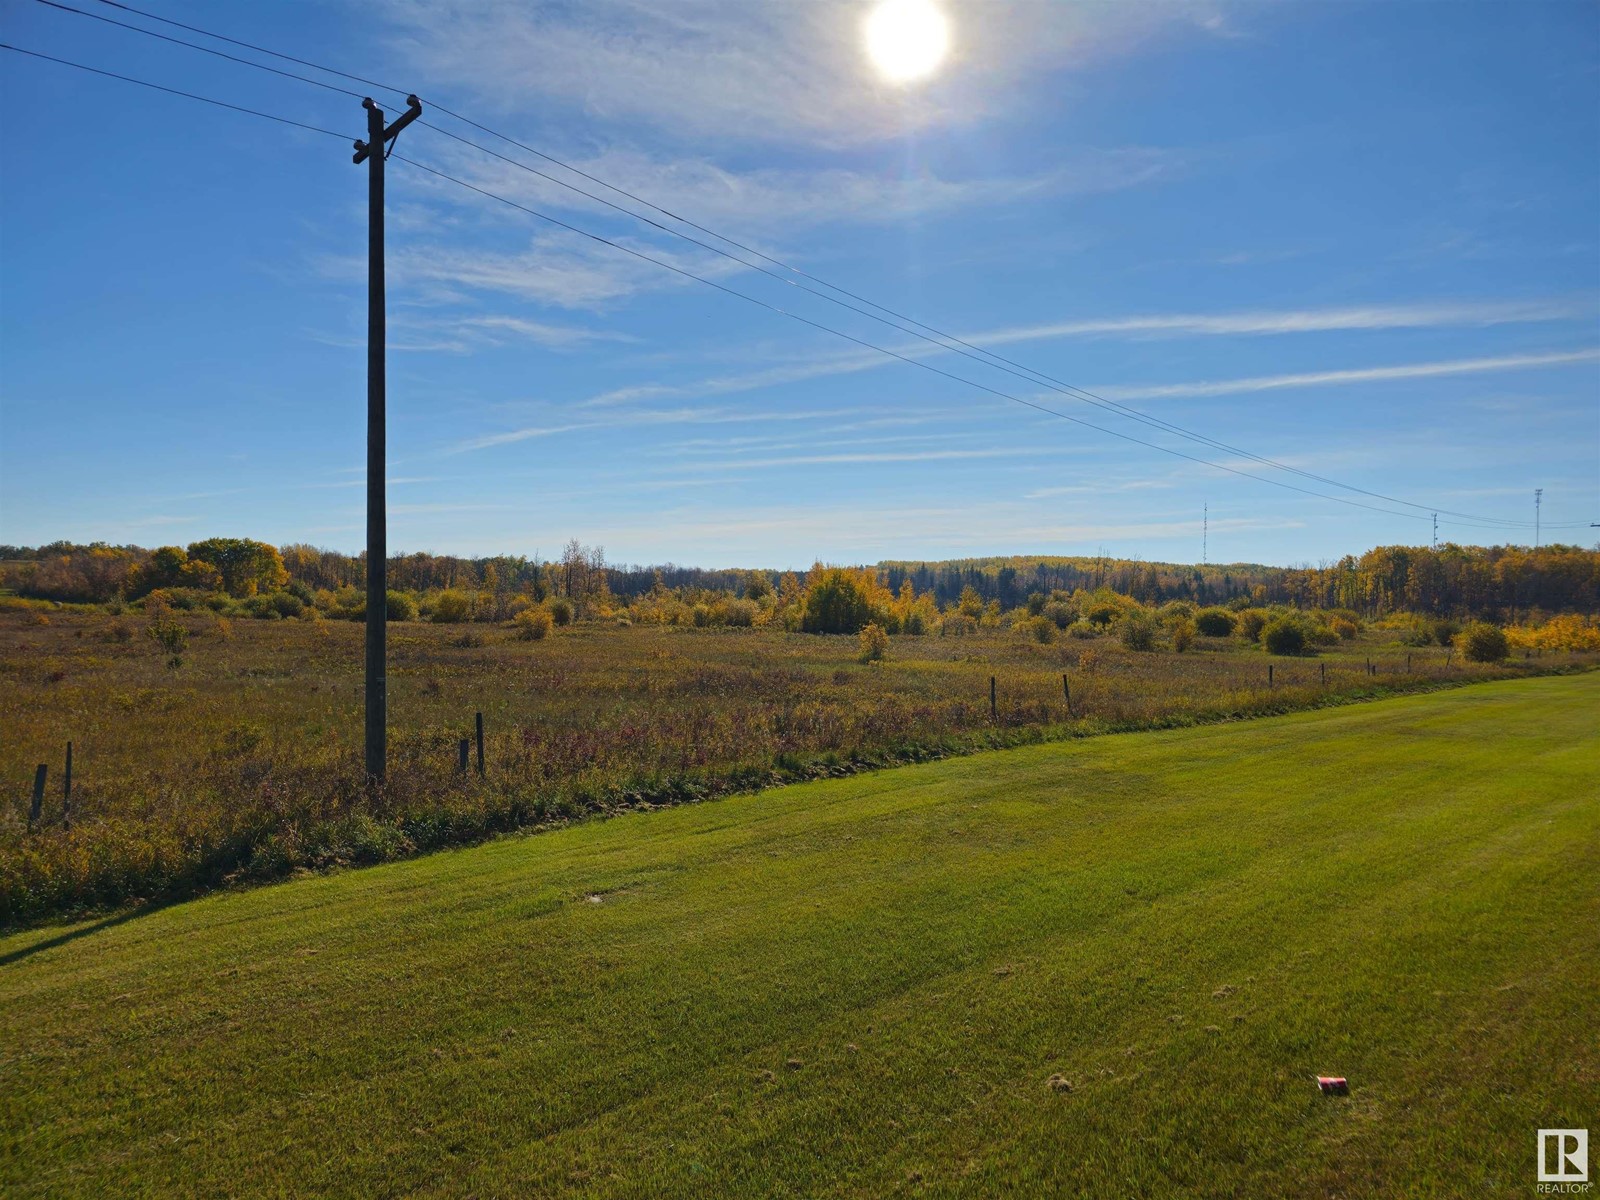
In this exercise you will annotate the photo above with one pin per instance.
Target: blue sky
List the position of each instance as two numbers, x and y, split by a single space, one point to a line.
1360 239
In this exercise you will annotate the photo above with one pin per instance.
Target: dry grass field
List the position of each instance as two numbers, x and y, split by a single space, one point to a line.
243 763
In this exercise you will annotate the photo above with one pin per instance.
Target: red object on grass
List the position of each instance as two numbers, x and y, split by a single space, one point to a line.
1333 1085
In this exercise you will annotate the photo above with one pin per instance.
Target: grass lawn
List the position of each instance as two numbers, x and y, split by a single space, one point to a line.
860 987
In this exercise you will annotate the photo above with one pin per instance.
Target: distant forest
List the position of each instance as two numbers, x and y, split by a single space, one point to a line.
1503 582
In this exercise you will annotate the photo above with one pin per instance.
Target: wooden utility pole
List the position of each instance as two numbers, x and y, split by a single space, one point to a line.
377 691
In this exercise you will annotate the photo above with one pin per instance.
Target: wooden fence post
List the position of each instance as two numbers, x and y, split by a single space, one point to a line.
1066 690
461 761
66 792
1269 674
994 709
38 794
479 717
1324 669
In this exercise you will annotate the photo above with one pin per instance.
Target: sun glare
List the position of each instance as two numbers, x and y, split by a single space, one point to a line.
906 39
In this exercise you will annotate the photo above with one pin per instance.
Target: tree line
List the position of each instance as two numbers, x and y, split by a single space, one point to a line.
1494 582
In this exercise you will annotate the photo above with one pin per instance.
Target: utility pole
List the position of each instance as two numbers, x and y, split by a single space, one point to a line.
1205 532
1435 531
1538 500
377 690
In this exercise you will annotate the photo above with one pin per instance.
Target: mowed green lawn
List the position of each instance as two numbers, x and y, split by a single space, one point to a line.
861 987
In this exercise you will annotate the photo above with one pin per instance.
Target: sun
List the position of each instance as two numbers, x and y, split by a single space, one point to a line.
906 39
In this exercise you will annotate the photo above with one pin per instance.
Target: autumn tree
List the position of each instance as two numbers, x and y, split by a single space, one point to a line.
246 567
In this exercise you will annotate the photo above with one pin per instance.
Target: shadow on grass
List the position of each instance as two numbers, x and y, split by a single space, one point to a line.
72 935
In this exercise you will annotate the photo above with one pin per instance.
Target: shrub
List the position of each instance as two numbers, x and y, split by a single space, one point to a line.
1418 633
837 601
1042 628
1182 634
1062 613
1036 602
1250 624
874 643
1214 622
1322 635
561 611
1138 631
740 613
450 607
1101 613
286 604
533 624
1445 630
1284 634
1482 642
164 630
1342 628
1082 629
401 606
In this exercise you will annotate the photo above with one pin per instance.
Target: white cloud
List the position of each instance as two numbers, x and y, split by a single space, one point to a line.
768 201
1149 325
558 268
1464 366
774 71
1468 315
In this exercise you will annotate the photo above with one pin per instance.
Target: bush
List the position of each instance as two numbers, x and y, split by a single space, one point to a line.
1138 631
1082 629
1344 629
1214 622
533 624
1284 635
874 643
286 604
561 611
451 607
1482 642
1182 634
401 606
1062 613
1418 633
1323 635
1250 624
1042 628
837 601
740 613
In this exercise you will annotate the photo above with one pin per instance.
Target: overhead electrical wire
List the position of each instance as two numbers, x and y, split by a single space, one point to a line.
171 91
196 46
711 283
947 342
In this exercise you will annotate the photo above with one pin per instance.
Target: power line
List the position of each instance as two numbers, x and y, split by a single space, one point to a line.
175 91
687 274
963 348
196 46
947 342
960 346
252 46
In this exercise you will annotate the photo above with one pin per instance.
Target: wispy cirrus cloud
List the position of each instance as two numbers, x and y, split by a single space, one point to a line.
753 71
1255 323
1358 375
